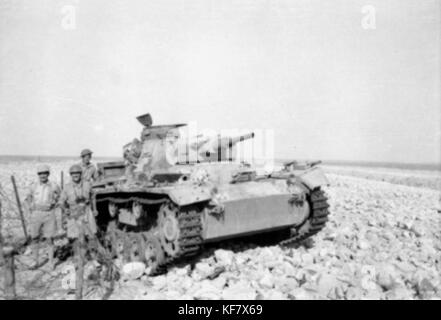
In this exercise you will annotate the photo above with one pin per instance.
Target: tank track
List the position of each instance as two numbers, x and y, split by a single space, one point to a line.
190 239
316 221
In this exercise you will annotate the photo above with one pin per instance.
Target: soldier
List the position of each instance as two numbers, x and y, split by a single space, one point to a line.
41 200
90 173
75 202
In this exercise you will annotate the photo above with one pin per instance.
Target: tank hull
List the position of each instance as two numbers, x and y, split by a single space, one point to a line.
253 207
247 207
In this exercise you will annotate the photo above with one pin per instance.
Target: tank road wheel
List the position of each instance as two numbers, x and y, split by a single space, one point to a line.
122 245
169 231
316 220
152 254
136 247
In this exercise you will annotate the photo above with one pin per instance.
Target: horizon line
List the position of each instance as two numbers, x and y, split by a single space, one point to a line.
330 161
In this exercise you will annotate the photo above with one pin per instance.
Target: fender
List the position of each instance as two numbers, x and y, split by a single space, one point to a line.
314 178
188 195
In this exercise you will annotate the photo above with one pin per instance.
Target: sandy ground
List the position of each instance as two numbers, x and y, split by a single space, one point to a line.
383 241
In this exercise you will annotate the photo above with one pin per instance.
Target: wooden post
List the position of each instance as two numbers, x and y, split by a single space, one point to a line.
20 210
62 180
80 248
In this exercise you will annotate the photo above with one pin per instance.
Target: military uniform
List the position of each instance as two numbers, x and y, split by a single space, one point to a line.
90 173
42 199
75 200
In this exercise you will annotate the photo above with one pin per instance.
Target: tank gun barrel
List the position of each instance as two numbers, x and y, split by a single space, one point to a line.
228 142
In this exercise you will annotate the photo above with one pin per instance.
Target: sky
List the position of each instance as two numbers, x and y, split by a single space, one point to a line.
350 80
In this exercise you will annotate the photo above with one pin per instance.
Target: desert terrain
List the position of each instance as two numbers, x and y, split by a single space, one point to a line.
383 241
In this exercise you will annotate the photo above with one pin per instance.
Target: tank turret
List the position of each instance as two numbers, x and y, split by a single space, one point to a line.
157 148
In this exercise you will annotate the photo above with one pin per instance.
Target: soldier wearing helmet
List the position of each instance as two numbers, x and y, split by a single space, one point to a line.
90 173
75 202
41 201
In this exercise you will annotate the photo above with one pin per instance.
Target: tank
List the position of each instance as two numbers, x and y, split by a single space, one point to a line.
159 207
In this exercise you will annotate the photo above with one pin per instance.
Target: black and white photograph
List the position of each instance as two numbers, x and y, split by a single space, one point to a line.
194 150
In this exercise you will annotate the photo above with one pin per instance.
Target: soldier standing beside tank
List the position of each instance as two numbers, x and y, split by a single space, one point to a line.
75 202
76 211
41 200
90 173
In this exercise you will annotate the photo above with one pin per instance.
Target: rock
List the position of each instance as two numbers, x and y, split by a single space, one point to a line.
274 295
399 293
374 294
239 291
153 296
196 276
133 270
307 259
295 259
386 276
181 272
288 268
224 257
330 236
186 283
302 276
338 293
426 288
217 271
363 245
207 292
404 267
301 294
266 256
219 282
286 285
326 284
267 281
354 293
173 295
159 282
204 269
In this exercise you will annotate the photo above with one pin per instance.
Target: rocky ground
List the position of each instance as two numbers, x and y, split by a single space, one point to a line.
414 178
383 241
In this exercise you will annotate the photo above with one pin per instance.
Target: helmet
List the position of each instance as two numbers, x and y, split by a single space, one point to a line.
42 168
75 169
85 152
